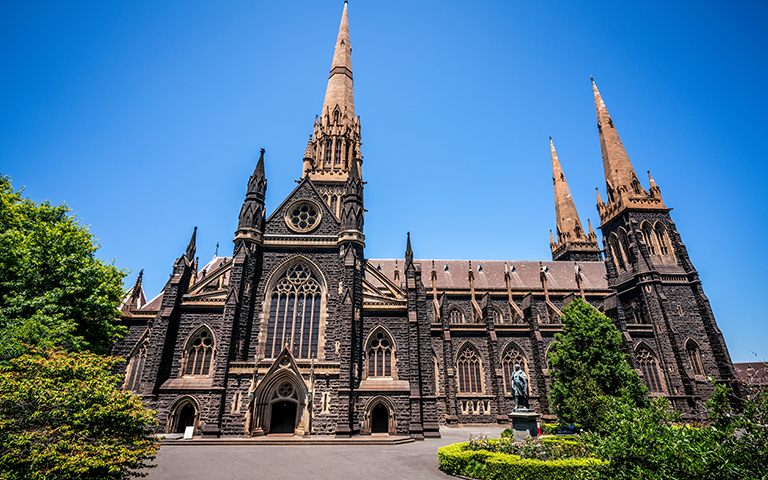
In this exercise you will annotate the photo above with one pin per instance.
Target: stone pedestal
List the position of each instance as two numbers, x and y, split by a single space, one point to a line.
524 424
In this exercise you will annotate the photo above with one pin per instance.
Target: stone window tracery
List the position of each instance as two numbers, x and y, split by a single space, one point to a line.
302 216
468 369
512 356
497 316
338 152
198 358
135 368
294 313
328 146
652 376
380 355
618 258
665 246
455 315
694 357
650 238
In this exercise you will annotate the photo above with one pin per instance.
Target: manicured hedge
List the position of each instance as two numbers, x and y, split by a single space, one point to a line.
501 466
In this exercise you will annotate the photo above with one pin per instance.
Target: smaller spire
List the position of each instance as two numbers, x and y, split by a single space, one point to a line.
260 165
308 153
190 253
599 199
591 235
408 252
552 243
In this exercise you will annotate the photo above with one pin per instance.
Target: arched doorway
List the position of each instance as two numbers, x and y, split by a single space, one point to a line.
185 418
283 417
380 419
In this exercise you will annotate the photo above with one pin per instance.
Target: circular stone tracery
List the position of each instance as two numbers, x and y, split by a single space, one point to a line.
303 216
285 390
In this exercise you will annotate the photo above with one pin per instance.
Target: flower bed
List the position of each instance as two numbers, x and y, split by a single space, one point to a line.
491 459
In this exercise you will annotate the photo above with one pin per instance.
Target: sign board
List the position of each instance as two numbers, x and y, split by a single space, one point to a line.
188 431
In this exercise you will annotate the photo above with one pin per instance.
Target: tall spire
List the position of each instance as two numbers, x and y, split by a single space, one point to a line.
335 143
408 252
572 242
339 91
623 187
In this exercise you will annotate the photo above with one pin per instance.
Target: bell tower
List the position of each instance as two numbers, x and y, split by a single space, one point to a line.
658 288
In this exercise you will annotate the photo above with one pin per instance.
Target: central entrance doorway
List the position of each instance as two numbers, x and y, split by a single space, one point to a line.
186 418
283 417
380 419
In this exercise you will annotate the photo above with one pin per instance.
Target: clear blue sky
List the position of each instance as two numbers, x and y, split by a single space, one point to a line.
147 118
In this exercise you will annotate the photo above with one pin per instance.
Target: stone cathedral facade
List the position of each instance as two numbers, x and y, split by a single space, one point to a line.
298 332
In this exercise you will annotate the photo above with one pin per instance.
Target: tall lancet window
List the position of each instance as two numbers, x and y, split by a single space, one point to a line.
294 313
328 146
198 356
652 377
380 354
468 369
338 152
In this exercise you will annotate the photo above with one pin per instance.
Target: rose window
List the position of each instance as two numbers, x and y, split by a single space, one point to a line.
302 216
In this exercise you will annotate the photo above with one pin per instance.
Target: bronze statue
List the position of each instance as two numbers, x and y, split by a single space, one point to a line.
520 385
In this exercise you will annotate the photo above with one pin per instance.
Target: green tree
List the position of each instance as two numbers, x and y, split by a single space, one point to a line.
53 290
62 416
589 367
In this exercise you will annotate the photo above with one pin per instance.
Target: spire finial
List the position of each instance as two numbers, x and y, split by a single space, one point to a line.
190 253
408 251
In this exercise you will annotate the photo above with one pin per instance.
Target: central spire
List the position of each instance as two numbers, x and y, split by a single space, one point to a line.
335 143
339 92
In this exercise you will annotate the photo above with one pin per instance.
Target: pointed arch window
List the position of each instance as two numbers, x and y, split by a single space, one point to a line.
381 354
665 246
694 357
624 244
198 356
338 153
618 259
469 368
437 373
497 316
328 147
512 356
294 313
650 238
135 368
455 315
652 376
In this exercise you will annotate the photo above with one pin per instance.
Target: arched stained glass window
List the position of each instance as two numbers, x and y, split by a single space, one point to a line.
328 147
652 377
338 152
497 316
294 313
650 238
468 369
135 368
199 354
694 357
665 246
512 356
380 354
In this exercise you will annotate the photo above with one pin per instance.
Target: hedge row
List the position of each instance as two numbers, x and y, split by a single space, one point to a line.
500 466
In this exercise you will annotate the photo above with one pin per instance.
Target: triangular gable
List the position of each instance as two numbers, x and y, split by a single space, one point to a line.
305 190
207 288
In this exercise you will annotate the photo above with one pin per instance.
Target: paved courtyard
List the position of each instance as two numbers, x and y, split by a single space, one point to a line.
416 460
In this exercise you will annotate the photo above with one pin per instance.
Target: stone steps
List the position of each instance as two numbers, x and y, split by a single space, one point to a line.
285 440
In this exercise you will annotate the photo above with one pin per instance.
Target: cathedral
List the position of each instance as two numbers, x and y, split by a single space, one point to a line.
299 333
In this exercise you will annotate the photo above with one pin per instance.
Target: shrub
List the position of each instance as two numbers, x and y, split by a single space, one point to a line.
457 459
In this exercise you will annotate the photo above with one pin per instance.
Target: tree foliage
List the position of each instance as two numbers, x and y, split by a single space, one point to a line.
62 416
53 290
589 367
653 443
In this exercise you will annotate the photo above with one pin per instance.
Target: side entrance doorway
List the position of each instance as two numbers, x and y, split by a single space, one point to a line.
380 419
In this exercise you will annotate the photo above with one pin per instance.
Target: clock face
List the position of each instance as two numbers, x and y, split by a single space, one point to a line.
303 216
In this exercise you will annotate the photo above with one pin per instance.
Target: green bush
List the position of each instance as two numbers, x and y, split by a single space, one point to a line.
456 459
548 428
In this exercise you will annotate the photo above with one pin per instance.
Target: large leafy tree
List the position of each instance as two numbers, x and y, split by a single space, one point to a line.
589 367
62 416
53 289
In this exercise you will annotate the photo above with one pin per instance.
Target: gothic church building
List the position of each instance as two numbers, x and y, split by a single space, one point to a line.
298 332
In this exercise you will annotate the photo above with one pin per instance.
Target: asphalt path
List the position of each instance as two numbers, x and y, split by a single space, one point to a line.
417 460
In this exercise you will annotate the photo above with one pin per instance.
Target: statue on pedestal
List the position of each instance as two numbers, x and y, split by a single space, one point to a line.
520 385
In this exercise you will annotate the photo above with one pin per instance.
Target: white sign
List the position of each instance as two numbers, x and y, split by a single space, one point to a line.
188 431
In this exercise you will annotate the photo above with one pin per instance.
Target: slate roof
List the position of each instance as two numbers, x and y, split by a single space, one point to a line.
489 274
